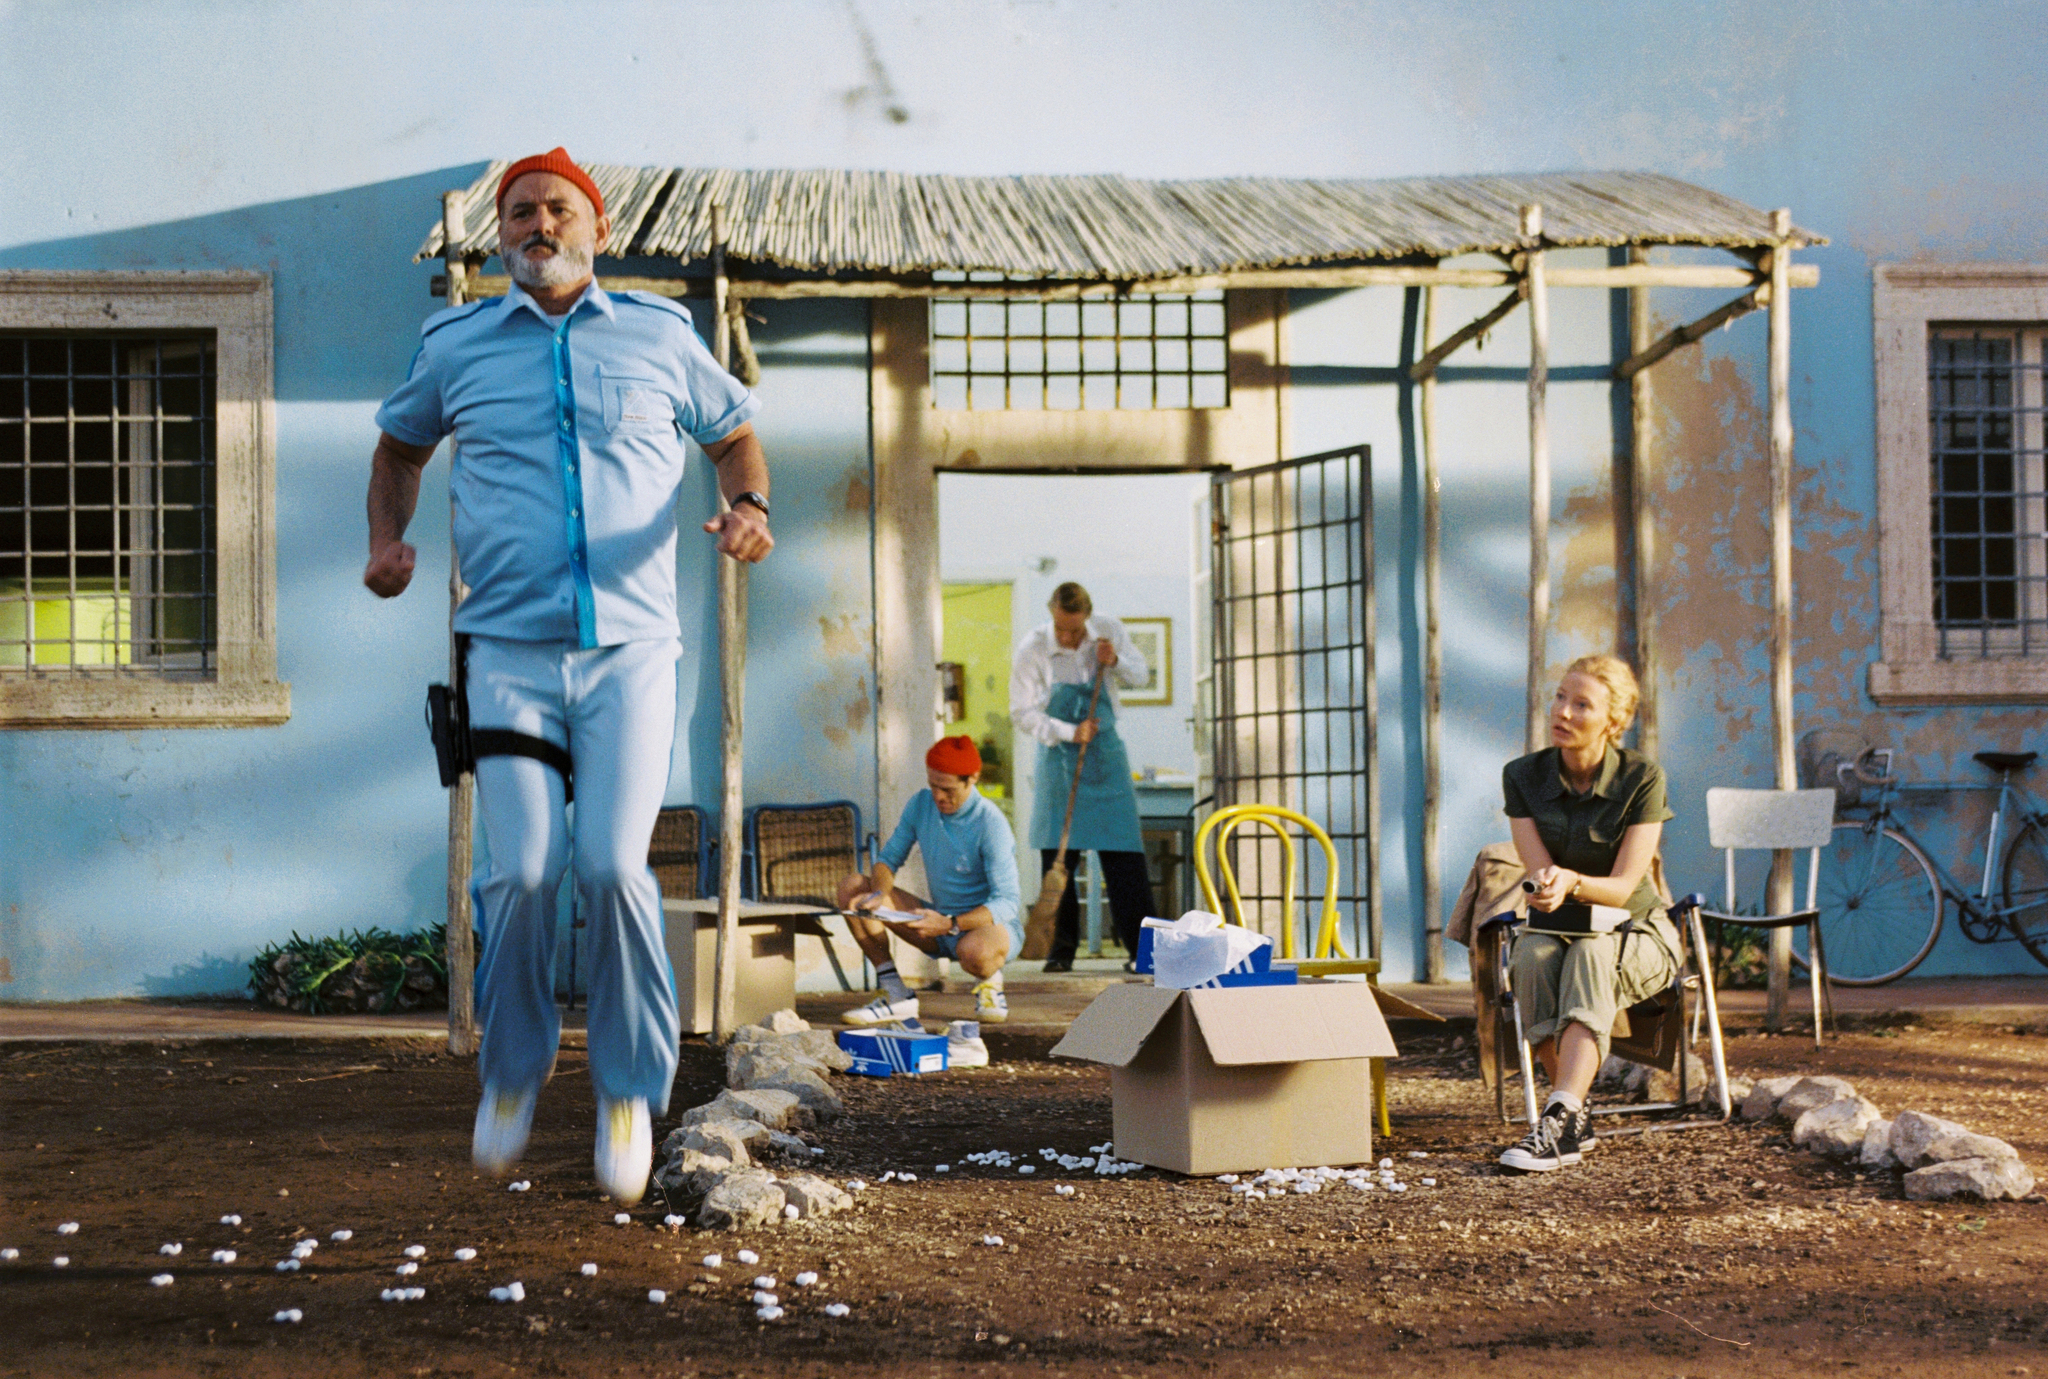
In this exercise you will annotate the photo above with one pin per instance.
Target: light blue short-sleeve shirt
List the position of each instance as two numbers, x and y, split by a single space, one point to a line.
569 457
970 857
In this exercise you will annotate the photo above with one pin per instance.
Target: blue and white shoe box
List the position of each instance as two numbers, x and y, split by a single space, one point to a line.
894 1052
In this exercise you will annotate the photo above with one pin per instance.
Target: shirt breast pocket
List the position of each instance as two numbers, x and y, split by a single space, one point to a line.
638 407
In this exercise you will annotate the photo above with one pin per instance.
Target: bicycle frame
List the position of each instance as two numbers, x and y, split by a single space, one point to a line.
1884 814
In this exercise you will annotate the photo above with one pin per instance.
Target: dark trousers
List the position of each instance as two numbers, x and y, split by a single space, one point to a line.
1129 884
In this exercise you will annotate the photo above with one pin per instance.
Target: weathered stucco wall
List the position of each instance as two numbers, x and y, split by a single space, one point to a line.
310 142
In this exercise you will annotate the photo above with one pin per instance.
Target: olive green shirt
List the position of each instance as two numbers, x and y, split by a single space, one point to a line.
1584 832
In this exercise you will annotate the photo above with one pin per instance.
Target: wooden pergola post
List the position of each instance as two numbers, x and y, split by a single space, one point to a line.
1780 898
462 1036
1539 476
1641 519
1432 668
732 685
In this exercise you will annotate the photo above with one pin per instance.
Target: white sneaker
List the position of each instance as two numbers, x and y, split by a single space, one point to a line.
964 1047
625 1148
991 1007
882 1011
503 1121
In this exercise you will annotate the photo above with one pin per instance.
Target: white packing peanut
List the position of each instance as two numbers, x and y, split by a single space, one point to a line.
1429 1182
856 1185
1064 1189
309 1243
161 1280
62 1261
942 1168
747 1257
836 1309
231 1220
342 1235
656 1295
713 1261
764 1298
68 1228
590 1271
888 1177
1418 1153
411 1266
765 1281
623 1218
770 1313
672 1221
465 1254
790 1211
414 1252
521 1186
10 1254
1386 1163
906 1177
1027 1168
223 1256
290 1315
992 1240
174 1248
1227 1178
805 1279
287 1266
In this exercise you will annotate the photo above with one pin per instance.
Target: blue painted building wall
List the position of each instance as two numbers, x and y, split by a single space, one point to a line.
311 144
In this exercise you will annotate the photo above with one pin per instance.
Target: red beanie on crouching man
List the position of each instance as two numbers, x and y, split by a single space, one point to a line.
956 756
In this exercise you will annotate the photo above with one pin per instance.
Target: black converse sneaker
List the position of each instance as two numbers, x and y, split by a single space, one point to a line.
1552 1143
1588 1139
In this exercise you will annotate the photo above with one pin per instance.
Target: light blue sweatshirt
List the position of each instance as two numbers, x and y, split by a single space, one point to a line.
970 857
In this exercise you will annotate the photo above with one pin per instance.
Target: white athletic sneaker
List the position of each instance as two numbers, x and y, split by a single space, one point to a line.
625 1148
964 1048
503 1121
991 1007
882 1011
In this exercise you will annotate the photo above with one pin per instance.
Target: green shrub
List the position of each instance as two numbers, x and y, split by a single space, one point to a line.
371 970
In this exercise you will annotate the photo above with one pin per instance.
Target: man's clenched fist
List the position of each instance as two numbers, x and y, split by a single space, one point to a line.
390 570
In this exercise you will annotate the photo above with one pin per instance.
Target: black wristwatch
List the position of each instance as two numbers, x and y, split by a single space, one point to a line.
759 500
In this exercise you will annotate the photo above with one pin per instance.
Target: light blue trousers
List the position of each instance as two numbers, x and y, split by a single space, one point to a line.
614 707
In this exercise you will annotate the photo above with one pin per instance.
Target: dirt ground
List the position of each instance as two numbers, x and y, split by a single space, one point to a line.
1714 1252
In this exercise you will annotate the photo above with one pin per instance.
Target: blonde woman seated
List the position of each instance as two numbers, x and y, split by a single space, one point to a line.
1586 815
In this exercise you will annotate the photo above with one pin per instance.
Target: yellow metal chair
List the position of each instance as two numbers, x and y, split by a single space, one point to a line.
1327 956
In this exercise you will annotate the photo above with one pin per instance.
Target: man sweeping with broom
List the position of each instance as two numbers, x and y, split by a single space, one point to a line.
1063 682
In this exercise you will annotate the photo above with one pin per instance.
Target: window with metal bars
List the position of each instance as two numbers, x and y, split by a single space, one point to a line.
1135 353
107 549
1990 566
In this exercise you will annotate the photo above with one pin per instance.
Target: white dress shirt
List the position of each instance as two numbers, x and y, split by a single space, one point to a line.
1041 663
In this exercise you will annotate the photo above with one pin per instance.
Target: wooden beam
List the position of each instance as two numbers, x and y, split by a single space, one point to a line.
732 687
1685 335
1785 771
462 1033
1536 691
1655 275
1425 368
1432 667
1642 517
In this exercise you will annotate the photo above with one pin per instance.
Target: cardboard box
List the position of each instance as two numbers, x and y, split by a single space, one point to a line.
764 978
888 1053
1236 1079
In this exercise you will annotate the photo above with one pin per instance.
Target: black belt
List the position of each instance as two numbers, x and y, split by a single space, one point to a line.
457 746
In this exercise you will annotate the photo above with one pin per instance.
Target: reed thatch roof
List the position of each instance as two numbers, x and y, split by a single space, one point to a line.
1109 228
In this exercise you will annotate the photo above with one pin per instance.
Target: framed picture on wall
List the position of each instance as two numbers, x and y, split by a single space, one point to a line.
1154 639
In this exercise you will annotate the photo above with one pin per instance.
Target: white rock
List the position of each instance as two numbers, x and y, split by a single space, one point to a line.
174 1248
291 1315
725 1139
656 1295
1762 1101
68 1228
1811 1092
812 1196
342 1235
747 1257
836 1309
465 1254
1836 1128
414 1252
744 1197
161 1280
1877 1146
590 1271
805 1279
1989 1179
787 1022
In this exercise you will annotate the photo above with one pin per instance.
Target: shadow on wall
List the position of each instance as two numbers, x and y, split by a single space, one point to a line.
206 975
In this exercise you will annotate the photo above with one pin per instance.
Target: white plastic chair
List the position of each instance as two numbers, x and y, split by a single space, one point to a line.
1768 821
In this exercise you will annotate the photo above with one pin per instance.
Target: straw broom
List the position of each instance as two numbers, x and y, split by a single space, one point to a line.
1045 909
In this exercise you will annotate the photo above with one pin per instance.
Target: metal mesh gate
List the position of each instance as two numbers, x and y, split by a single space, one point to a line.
1295 710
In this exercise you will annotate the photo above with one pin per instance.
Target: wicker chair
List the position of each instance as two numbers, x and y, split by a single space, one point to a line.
797 854
680 853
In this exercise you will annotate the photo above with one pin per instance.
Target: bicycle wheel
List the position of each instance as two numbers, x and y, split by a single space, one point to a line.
1880 907
2024 887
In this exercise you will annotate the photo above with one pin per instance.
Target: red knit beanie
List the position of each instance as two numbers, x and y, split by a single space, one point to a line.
559 162
955 756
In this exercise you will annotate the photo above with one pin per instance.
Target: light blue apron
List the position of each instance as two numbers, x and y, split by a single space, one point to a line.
1106 808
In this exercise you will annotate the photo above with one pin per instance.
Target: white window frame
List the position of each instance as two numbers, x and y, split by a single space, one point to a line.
244 690
1908 300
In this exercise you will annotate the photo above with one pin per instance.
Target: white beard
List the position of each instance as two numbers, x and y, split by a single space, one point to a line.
570 263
